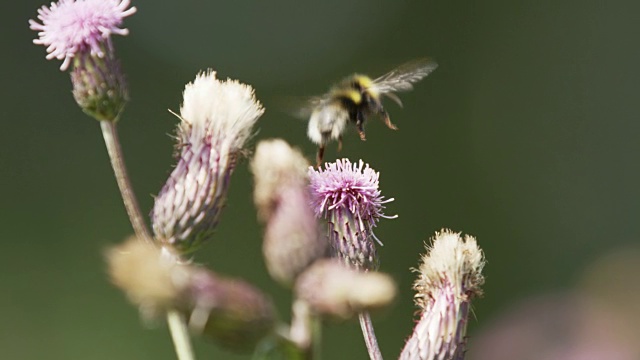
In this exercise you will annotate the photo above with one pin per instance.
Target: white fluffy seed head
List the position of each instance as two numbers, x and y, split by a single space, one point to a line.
223 110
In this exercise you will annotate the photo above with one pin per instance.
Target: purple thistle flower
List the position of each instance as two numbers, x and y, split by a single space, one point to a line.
71 27
347 195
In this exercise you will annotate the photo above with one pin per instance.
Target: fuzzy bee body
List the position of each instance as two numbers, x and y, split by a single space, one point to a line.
328 122
356 98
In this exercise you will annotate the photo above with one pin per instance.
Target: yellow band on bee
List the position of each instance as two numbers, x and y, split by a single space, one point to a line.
351 94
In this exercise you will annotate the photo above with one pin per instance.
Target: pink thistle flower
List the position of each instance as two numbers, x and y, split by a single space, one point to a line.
347 195
70 27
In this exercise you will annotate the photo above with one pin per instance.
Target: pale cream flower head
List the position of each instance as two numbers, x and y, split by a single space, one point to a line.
150 276
276 165
451 261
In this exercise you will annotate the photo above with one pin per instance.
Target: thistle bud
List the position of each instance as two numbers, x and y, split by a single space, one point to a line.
449 277
291 239
331 289
347 195
98 85
276 166
232 312
217 118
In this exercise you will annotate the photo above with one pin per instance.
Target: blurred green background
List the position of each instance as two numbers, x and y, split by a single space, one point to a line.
526 136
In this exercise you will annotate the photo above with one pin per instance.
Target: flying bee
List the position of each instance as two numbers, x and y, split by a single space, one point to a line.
357 97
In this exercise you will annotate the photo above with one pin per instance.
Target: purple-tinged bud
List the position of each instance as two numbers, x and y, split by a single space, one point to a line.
217 119
79 33
347 195
333 290
449 277
99 86
291 240
232 312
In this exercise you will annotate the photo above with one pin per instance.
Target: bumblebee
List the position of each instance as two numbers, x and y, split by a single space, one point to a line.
358 97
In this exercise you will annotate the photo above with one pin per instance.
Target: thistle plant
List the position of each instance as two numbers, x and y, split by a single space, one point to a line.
318 239
347 196
79 34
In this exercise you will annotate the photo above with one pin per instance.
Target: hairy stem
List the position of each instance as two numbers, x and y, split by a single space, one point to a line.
177 323
110 135
369 336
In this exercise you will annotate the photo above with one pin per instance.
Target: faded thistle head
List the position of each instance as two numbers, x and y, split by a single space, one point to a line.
449 277
347 196
216 120
231 311
333 290
78 32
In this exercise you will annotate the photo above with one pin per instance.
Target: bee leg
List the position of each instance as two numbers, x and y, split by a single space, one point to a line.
361 132
319 155
360 126
387 119
340 143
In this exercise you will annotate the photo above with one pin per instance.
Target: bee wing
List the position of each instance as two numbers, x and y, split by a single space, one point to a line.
301 107
403 77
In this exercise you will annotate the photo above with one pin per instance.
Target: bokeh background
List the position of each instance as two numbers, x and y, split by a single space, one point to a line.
526 136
